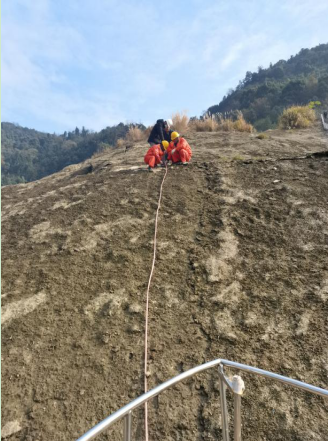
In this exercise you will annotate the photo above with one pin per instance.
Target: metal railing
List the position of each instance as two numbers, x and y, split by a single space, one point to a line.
324 124
236 386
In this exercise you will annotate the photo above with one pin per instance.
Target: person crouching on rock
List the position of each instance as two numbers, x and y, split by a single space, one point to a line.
155 155
179 150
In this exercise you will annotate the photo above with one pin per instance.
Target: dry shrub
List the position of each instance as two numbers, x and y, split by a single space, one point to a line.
226 125
242 126
120 143
262 136
297 117
180 121
135 135
147 131
205 125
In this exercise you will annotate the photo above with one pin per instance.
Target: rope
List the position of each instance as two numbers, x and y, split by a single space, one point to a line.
147 305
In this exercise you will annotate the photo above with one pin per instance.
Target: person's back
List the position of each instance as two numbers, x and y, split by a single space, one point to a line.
160 132
183 144
157 133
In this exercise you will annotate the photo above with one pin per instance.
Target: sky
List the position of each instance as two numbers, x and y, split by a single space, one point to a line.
95 63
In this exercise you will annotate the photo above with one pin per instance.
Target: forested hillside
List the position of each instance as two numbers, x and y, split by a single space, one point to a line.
28 155
263 95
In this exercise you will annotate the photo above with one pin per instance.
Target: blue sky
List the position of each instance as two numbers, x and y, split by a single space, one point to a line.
99 62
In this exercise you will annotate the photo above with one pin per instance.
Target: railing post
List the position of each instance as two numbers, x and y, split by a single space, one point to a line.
127 426
224 409
238 387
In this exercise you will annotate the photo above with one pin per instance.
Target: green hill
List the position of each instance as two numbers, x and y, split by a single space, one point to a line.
263 95
28 155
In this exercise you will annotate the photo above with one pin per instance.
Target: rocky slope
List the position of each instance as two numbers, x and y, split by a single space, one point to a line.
241 274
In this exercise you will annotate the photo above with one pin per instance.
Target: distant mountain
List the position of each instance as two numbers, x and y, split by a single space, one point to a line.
27 155
263 95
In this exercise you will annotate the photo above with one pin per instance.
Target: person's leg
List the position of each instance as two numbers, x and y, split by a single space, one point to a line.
152 161
183 155
176 157
157 161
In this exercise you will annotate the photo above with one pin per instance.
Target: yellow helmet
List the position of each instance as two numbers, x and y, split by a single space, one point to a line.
174 135
165 144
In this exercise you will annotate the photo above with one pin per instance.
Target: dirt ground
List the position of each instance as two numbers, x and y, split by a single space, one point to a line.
242 274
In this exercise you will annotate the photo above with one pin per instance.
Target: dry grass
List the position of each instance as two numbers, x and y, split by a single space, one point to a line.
135 135
205 125
147 131
225 125
180 121
297 117
242 126
120 143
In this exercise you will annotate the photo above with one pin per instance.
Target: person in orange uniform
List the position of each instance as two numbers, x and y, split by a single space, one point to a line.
155 154
179 150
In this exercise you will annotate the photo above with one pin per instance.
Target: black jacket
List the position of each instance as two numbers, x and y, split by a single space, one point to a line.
158 133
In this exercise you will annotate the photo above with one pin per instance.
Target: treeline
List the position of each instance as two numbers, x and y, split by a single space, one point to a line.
27 155
263 95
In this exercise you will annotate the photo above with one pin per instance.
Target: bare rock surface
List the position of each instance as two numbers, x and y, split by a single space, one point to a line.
241 274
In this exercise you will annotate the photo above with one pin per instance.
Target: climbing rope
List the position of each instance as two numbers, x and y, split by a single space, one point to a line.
146 374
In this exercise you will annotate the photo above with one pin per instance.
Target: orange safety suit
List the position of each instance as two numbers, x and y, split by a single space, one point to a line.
182 151
154 155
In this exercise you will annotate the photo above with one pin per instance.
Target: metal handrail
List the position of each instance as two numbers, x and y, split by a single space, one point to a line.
224 382
324 124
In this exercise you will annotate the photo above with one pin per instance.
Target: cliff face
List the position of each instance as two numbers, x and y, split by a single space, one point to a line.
241 274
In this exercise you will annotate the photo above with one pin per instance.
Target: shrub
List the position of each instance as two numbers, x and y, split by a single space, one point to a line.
242 126
135 135
205 125
147 131
262 136
313 104
180 121
226 125
297 117
120 143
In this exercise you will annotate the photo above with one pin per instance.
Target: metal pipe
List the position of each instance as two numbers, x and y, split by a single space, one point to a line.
238 388
325 125
224 410
127 426
100 427
281 378
237 417
104 424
